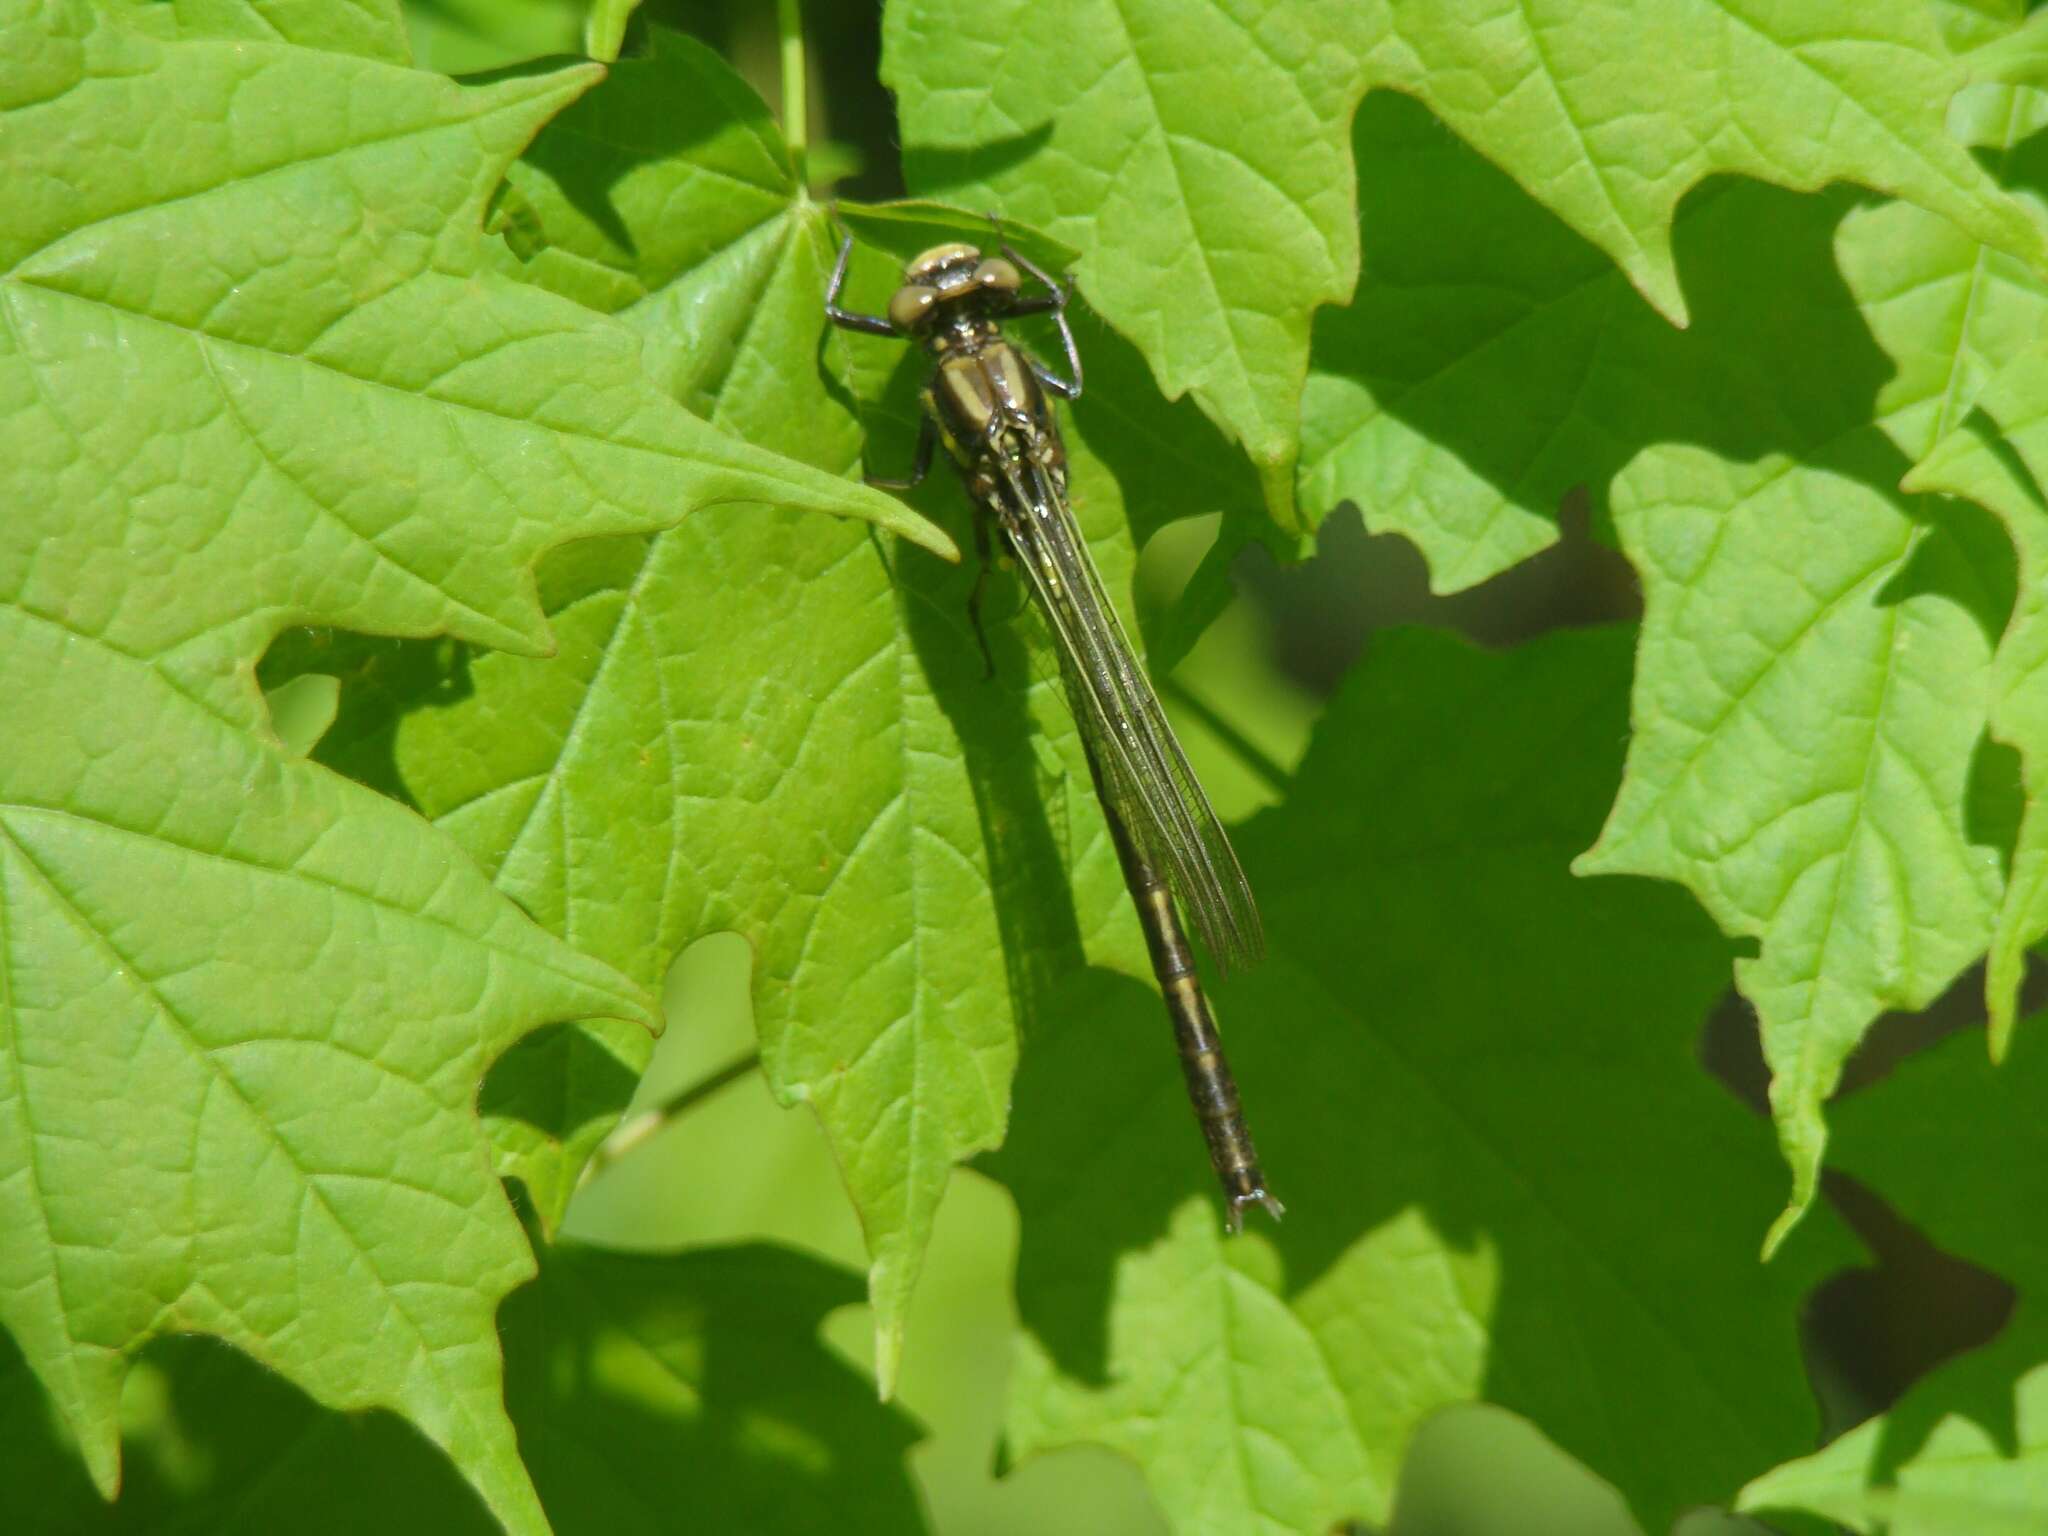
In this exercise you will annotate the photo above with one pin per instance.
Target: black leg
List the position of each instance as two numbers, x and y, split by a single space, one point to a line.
987 559
1031 268
920 466
873 325
1052 303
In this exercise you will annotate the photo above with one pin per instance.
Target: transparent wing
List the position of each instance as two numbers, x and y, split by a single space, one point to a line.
1156 794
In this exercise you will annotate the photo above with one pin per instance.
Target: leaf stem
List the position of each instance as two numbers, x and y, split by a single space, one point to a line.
645 1125
789 26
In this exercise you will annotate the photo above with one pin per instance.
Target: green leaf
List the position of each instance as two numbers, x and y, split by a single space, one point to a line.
241 1037
329 413
375 29
467 37
287 370
1996 457
671 165
1480 1141
1966 1449
604 28
2020 57
1815 676
1194 155
1492 371
1195 159
837 808
641 1384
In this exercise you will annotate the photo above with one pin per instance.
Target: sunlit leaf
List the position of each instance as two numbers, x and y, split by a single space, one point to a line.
254 376
1195 154
849 807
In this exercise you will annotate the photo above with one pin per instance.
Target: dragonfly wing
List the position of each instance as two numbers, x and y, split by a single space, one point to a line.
1158 797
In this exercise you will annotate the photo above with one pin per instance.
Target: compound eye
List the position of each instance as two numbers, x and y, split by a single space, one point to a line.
910 304
997 274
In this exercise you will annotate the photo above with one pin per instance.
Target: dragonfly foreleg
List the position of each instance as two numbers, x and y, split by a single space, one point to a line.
1055 299
847 319
1053 302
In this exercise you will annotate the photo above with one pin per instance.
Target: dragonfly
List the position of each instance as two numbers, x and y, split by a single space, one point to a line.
990 403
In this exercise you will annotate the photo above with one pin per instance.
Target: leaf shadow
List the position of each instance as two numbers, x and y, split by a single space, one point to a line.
745 1417
1026 844
1982 1387
749 1422
382 680
1500 337
46 1482
1168 459
1995 799
662 105
1966 556
557 1077
1446 1085
1989 435
211 1440
941 172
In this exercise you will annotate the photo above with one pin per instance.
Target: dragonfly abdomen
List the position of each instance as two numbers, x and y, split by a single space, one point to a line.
1212 1088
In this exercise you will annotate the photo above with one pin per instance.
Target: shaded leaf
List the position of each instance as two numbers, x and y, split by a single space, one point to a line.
641 1385
1956 1145
1815 675
1480 1122
1751 464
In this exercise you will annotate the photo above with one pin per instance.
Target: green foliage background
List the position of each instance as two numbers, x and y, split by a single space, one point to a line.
437 592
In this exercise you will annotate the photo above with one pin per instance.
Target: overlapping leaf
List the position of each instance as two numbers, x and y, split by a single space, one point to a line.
1481 1121
850 807
1814 671
242 1035
1194 155
1996 456
1966 1449
252 372
1810 751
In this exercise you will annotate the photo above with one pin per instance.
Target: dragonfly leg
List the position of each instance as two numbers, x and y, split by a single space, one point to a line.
852 320
1066 389
1054 300
1052 303
986 556
920 466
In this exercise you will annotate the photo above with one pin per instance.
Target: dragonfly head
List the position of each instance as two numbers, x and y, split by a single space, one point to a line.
949 281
